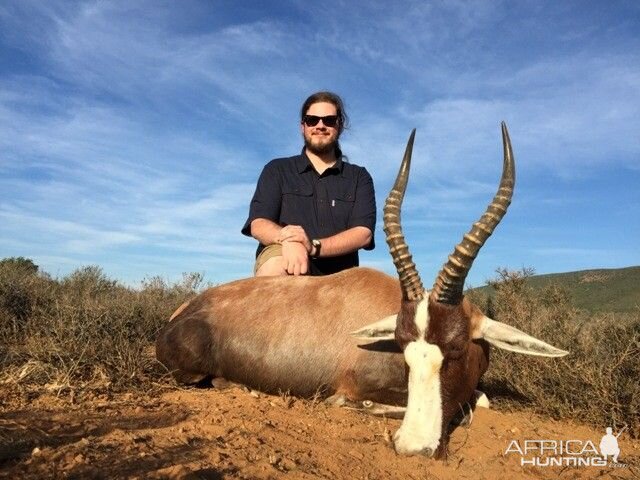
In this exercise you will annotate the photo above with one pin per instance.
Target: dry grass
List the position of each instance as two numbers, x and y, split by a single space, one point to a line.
597 383
87 333
82 332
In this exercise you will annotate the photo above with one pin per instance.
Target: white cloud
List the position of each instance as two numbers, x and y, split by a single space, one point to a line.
138 126
75 237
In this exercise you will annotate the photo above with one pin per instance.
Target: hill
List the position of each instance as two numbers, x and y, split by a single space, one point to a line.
600 290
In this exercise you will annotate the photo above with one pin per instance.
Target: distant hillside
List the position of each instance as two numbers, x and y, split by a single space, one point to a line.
603 290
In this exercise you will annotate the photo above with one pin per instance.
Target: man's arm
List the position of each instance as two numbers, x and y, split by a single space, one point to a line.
297 247
268 233
341 243
345 242
364 209
265 231
265 204
295 254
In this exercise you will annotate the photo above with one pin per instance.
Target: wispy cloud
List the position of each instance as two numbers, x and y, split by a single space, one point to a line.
76 237
132 134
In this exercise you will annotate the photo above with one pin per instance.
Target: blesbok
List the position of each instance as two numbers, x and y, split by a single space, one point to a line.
303 335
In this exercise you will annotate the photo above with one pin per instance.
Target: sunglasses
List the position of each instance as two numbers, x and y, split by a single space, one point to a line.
328 120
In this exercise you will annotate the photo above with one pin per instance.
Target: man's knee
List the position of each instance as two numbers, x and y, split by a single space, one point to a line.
271 267
269 262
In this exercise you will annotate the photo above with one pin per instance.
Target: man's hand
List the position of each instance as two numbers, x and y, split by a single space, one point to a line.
295 258
295 233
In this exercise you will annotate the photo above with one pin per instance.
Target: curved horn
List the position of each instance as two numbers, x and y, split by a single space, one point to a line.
450 281
410 282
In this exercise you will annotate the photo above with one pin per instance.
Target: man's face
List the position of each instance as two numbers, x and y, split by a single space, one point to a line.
320 139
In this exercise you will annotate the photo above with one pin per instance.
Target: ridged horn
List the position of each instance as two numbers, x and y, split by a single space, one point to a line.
449 284
410 282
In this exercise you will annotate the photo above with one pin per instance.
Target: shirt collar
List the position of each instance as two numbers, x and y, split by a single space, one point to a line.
303 163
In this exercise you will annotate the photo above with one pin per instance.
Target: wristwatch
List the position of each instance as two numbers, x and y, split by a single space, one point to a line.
316 244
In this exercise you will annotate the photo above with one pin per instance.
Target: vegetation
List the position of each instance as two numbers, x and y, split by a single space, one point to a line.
597 383
83 332
602 290
86 333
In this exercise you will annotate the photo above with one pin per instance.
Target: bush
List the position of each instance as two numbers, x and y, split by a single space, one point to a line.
83 331
18 279
86 332
597 383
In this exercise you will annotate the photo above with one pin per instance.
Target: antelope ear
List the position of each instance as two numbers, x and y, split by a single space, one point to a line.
510 338
381 330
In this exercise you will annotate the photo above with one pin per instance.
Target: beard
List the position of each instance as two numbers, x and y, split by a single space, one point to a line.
320 148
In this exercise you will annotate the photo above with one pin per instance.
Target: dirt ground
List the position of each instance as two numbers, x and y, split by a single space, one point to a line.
236 433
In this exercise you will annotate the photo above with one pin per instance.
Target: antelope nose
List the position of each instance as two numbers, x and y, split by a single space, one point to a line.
427 452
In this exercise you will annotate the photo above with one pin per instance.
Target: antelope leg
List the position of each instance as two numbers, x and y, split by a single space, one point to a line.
376 409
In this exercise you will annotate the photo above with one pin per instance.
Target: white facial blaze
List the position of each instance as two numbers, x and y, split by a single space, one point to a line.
422 425
422 317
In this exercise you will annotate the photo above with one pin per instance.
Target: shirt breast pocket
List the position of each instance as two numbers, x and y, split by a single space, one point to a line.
341 209
297 205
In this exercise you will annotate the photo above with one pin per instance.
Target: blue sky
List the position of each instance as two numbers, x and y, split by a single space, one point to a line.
132 133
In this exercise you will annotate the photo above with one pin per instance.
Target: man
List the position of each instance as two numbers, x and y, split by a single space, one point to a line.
609 444
312 212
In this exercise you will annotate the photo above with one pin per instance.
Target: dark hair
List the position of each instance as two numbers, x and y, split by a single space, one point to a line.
328 97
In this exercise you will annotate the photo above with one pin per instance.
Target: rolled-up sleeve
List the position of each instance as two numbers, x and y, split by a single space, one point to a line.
266 201
364 208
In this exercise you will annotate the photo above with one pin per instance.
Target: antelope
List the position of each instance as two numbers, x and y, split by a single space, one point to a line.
359 338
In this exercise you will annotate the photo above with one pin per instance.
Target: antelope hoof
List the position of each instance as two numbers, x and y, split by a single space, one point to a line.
337 400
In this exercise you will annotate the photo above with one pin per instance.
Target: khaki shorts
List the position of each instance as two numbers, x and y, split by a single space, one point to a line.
270 251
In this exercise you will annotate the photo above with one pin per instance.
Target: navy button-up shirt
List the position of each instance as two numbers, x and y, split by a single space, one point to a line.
291 192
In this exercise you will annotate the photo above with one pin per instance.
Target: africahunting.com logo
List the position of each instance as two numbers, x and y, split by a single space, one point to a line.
561 453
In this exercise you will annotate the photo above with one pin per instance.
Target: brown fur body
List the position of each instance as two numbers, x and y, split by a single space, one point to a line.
292 334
